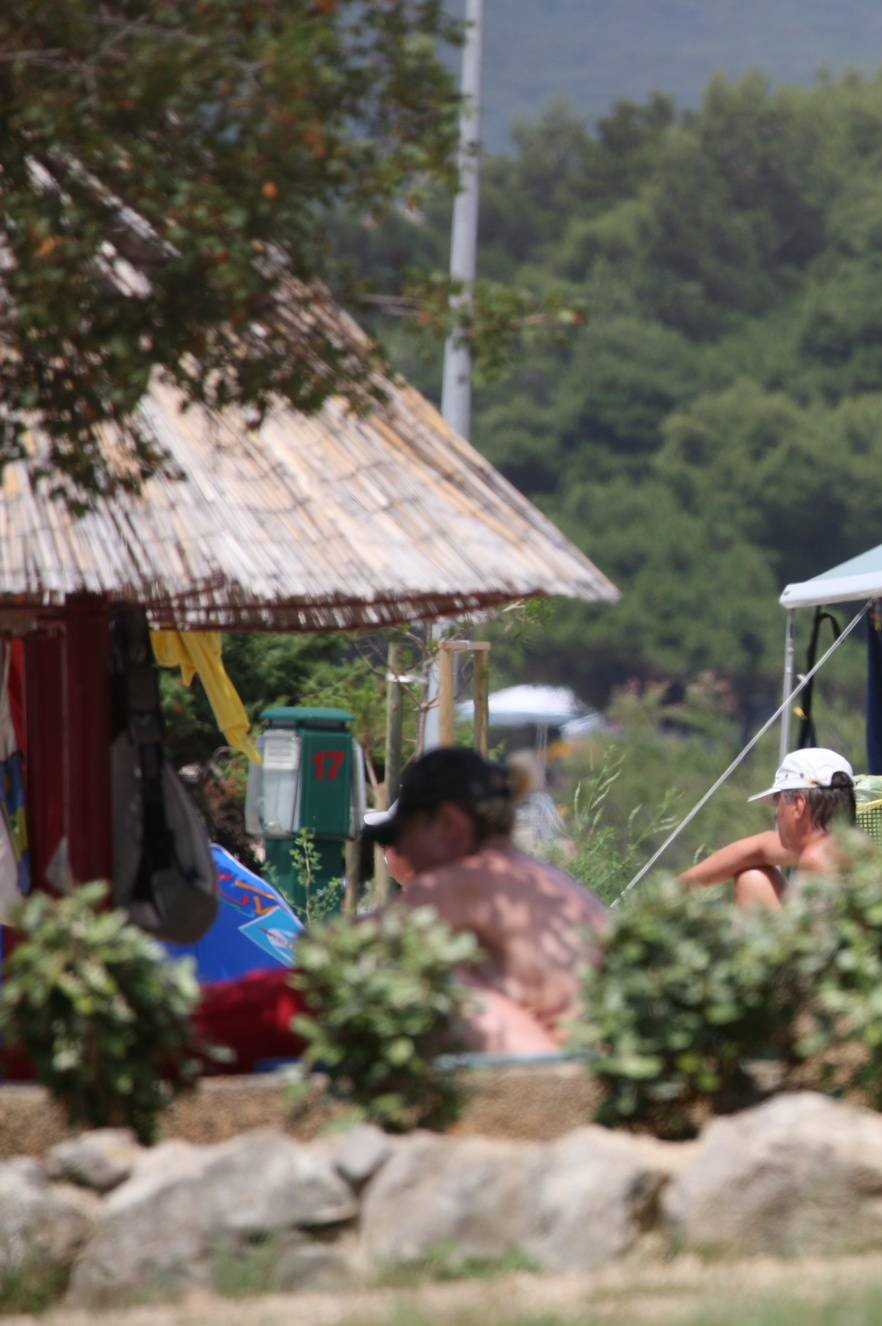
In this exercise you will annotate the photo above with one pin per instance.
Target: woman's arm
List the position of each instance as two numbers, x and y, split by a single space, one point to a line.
760 849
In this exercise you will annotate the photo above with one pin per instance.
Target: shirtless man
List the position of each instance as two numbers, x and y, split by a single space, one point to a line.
536 925
812 788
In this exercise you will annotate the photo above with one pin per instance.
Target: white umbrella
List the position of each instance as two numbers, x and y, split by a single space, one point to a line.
527 705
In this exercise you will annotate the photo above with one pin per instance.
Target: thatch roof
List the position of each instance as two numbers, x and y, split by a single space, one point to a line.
306 523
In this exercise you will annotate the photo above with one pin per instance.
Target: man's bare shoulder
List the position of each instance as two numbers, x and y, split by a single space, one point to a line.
511 872
491 864
824 856
466 872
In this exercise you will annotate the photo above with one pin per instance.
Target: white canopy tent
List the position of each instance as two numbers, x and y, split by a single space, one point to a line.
857 580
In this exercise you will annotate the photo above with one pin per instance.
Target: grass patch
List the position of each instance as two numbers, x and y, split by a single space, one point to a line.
411 1316
446 1261
830 1308
33 1287
833 1303
244 1270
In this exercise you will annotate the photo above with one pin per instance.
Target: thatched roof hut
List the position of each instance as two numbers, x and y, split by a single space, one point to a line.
305 523
336 521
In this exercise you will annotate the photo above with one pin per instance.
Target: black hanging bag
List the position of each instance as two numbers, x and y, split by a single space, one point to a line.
163 873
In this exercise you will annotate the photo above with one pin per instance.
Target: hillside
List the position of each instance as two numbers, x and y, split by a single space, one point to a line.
593 52
714 431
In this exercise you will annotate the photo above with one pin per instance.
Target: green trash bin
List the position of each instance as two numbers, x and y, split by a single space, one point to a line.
311 777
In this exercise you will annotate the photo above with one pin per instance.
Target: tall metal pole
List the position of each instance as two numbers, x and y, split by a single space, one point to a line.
456 387
789 649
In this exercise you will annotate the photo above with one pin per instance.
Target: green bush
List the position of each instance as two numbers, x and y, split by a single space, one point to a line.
695 993
692 991
834 932
103 1014
386 1005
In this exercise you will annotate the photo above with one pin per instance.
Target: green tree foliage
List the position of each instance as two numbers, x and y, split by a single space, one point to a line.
167 169
736 206
713 432
313 670
266 670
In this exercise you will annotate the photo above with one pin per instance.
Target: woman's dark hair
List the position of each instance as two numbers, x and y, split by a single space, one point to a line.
491 816
835 802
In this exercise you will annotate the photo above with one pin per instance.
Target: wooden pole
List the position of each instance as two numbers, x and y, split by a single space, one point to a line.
394 721
85 738
350 894
446 729
481 697
45 749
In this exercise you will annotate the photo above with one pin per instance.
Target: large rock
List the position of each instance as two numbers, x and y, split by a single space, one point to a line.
799 1174
101 1159
456 1197
40 1224
359 1152
595 1193
298 1263
185 1207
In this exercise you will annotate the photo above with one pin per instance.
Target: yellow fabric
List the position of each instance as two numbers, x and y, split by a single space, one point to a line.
200 651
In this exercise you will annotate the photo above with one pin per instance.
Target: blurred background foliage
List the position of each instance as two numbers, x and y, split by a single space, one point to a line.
625 788
712 432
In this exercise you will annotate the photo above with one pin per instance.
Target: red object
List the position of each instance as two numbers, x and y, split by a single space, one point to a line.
16 692
67 751
45 749
15 1064
87 737
252 1017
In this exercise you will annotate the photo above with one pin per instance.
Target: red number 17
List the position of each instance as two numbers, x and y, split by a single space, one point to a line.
327 761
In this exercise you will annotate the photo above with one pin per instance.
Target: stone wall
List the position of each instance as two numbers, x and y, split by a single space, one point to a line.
801 1173
530 1102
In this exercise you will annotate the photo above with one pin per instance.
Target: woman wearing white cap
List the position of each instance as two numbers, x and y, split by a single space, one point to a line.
812 788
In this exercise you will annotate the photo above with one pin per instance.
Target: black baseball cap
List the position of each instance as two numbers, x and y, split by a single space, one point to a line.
449 773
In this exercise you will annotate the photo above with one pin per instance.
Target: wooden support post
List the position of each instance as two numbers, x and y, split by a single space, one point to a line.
86 738
382 882
394 719
480 650
446 727
45 749
481 697
394 722
350 894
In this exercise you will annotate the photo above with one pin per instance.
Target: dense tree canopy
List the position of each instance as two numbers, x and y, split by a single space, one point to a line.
175 176
715 431
169 174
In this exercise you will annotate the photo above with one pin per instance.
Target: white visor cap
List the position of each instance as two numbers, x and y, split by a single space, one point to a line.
805 769
374 818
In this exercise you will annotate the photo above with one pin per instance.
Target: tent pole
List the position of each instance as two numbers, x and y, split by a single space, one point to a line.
789 649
